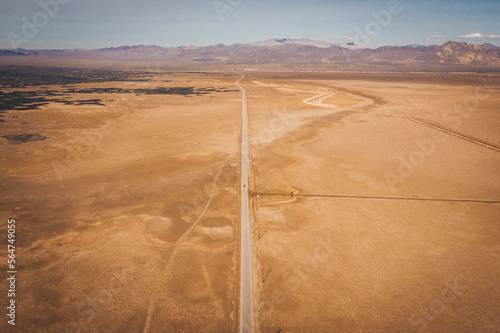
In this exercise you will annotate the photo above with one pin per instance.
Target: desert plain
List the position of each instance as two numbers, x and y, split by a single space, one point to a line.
374 200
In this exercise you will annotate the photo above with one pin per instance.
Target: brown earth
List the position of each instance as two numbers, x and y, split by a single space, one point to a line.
128 214
341 264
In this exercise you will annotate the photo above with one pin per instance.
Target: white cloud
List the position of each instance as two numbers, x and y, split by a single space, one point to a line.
477 35
437 38
341 39
474 35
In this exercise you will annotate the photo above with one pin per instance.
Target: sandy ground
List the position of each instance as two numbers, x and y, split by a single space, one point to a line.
375 265
128 213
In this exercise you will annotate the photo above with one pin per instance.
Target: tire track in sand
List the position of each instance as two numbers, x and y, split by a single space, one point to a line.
178 246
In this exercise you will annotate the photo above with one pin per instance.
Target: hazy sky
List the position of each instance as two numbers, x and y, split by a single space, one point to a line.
103 23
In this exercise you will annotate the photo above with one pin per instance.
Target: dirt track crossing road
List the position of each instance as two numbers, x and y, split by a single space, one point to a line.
246 261
373 197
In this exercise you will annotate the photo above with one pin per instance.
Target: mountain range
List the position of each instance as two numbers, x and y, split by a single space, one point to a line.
285 54
307 41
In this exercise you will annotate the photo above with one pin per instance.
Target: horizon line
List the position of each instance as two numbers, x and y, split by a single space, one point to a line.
238 44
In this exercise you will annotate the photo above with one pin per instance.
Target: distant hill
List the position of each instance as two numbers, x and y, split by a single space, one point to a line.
11 53
290 54
307 41
286 41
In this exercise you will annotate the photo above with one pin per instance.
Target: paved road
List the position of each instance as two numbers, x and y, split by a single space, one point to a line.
246 260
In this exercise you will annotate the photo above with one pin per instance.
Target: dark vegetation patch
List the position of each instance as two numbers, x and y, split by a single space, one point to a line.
96 91
207 73
85 102
33 100
25 76
148 91
16 139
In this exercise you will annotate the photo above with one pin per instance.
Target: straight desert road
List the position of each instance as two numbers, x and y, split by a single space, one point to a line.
246 262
